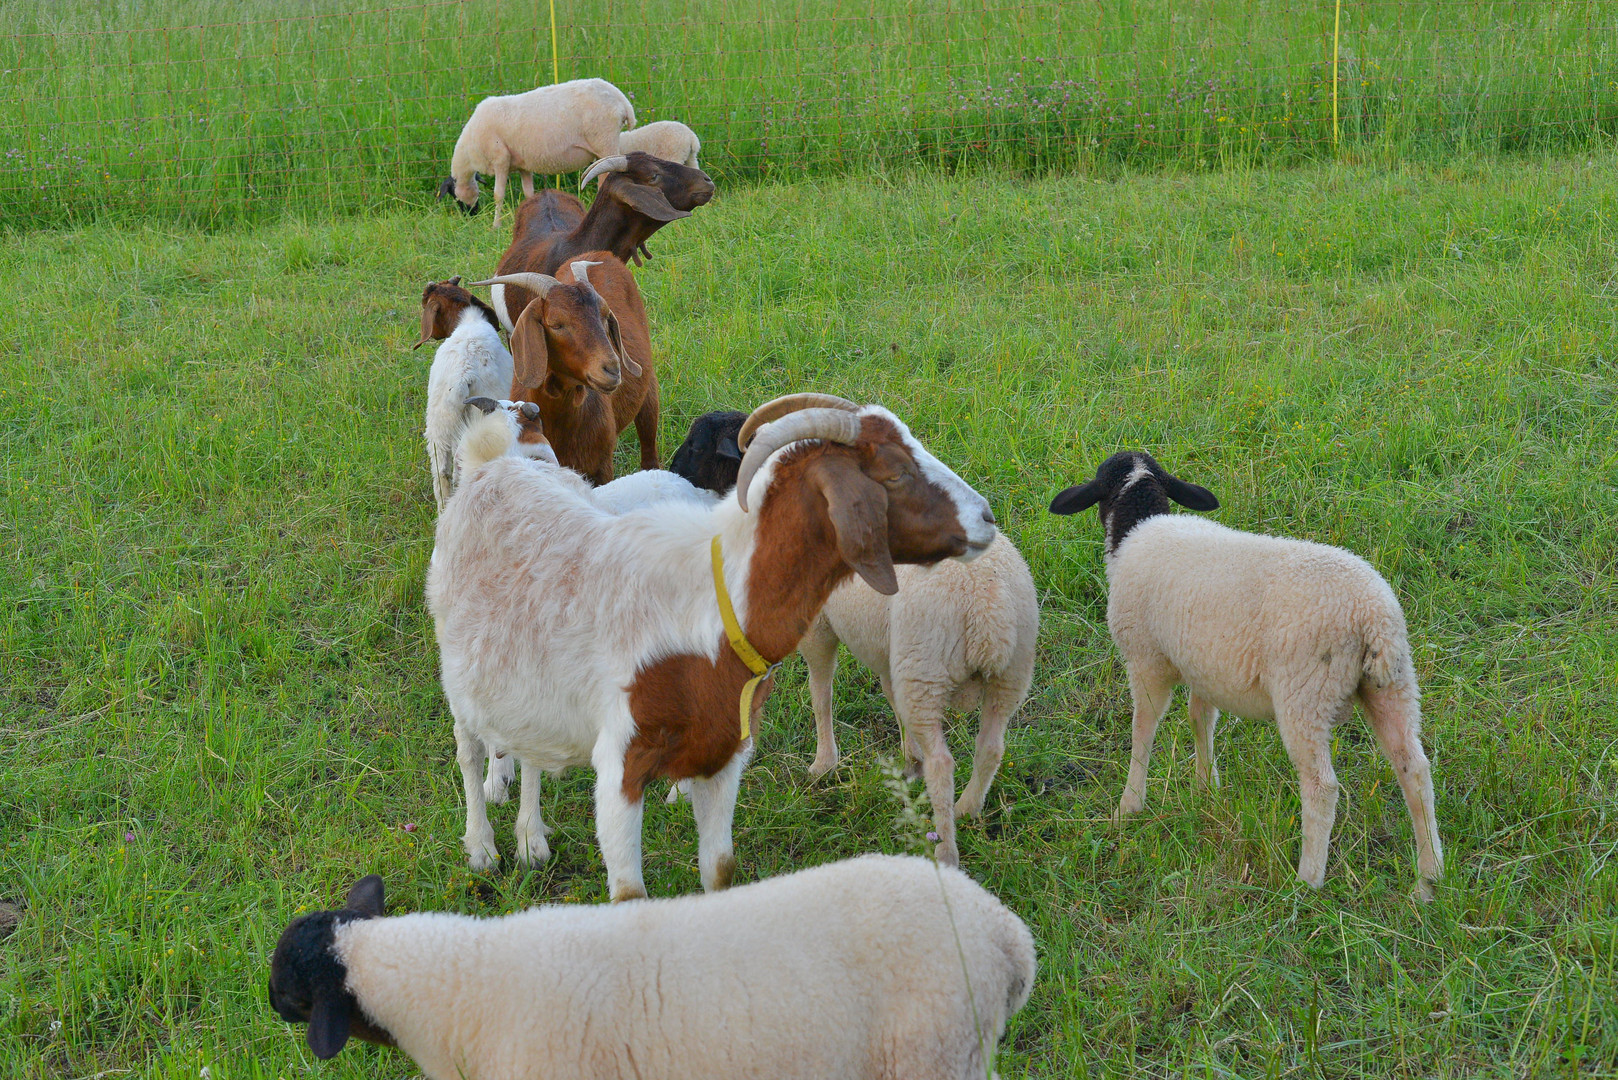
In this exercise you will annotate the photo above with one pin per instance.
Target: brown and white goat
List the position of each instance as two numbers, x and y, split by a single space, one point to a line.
639 194
582 352
570 635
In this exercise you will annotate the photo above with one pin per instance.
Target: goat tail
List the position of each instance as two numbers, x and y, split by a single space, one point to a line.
485 439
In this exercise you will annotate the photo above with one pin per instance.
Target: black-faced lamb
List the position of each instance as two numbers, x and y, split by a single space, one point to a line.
569 635
878 967
1260 626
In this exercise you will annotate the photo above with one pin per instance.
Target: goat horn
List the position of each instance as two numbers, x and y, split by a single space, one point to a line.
539 284
581 271
605 165
834 425
791 403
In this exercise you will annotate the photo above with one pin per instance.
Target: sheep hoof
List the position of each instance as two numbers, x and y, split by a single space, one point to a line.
1126 810
969 808
1424 891
822 766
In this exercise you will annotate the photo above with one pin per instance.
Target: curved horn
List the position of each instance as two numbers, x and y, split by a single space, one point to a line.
602 167
834 425
539 284
581 271
791 403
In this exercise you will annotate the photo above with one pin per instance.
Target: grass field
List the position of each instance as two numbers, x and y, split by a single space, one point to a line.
219 702
209 110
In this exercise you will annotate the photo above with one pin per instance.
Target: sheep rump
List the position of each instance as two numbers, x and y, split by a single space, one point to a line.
666 139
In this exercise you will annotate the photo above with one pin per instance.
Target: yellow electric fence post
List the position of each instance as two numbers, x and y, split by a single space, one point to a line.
556 72
1336 37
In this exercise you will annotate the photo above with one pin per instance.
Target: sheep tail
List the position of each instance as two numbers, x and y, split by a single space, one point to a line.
1387 649
485 439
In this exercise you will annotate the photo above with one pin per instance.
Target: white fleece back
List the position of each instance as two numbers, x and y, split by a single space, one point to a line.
551 129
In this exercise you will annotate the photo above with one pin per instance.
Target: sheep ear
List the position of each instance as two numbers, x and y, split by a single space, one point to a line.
1190 496
366 896
528 353
328 1026
859 512
1077 498
728 448
617 336
649 201
429 320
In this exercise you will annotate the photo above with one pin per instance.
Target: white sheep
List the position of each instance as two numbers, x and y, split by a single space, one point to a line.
666 139
1260 626
572 636
955 635
552 129
877 967
470 363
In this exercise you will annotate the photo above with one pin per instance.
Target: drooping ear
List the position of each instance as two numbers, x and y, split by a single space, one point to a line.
649 201
366 896
858 507
1077 498
328 1025
429 321
728 449
485 405
617 337
530 359
1190 496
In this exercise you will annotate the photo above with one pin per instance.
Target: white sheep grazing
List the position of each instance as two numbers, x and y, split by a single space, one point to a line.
877 967
470 363
552 129
666 139
954 635
1260 626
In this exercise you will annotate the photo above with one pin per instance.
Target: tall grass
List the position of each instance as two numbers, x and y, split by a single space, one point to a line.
202 110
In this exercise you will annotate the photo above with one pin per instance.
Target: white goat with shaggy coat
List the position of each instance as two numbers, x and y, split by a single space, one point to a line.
552 129
571 636
666 139
1260 626
882 967
470 363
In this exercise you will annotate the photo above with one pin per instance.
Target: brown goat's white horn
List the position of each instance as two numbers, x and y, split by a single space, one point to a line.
602 167
581 271
834 425
790 403
539 284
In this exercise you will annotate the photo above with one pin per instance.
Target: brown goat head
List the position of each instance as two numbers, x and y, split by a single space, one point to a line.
567 331
442 304
660 190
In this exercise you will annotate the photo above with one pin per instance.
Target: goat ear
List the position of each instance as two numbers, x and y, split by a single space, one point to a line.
1190 496
366 896
429 320
728 448
529 357
1077 498
328 1025
859 512
617 336
649 201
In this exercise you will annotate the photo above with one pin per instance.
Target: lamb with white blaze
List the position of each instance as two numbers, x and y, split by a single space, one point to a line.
470 363
551 129
1260 626
569 635
882 967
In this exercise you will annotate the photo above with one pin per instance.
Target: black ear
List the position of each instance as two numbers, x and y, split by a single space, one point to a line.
1077 498
328 1021
1190 496
447 187
366 896
728 448
487 405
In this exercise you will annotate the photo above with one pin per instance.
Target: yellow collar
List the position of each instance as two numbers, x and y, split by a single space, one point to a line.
761 668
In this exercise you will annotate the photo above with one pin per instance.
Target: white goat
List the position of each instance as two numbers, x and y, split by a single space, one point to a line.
1261 626
569 635
666 139
552 129
878 967
470 363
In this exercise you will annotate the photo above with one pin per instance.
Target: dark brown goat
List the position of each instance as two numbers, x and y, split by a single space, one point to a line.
442 303
639 194
582 352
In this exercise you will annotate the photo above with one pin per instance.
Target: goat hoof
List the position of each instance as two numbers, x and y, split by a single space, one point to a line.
629 891
822 766
535 852
483 855
965 809
1424 891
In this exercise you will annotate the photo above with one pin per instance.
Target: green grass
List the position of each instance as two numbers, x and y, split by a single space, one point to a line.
207 110
219 701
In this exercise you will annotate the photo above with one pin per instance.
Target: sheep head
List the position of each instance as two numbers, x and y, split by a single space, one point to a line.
465 192
567 331
1130 486
308 981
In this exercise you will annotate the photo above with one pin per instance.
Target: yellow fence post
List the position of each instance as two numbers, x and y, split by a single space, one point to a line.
556 75
1336 38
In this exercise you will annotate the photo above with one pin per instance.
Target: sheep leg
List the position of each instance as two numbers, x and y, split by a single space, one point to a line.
921 709
527 184
500 176
1203 718
1395 716
1000 699
819 652
1150 689
498 778
531 830
479 839
713 804
646 423
618 823
1306 733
